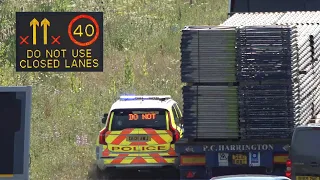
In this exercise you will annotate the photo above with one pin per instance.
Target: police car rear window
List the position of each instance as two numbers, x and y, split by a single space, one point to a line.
138 118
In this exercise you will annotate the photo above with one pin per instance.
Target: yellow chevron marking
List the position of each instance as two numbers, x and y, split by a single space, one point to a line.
166 137
127 160
145 154
170 160
152 142
107 161
150 160
110 138
135 131
135 155
125 142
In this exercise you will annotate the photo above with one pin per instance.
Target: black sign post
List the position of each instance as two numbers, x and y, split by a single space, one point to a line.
59 41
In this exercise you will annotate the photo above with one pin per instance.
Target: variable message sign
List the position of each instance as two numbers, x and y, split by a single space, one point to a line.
59 41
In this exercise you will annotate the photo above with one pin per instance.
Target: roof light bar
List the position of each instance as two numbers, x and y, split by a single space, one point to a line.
162 97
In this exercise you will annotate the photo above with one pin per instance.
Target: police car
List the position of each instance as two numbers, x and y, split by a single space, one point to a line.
140 132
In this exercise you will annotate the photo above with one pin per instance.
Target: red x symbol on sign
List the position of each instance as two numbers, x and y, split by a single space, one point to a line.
24 40
55 39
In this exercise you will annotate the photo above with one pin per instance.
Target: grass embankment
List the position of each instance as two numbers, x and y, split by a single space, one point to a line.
141 57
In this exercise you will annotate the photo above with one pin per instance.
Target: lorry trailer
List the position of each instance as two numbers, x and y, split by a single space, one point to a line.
249 82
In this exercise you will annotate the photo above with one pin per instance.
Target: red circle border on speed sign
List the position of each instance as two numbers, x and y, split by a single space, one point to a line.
93 20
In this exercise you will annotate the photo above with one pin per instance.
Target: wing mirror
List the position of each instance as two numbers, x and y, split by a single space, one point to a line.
104 119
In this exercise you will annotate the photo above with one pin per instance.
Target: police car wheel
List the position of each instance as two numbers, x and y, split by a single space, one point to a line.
95 173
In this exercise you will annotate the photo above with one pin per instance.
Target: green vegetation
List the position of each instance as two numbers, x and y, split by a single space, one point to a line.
141 56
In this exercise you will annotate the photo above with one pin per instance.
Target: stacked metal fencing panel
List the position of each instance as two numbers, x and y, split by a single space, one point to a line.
307 25
249 81
208 62
210 111
267 65
208 54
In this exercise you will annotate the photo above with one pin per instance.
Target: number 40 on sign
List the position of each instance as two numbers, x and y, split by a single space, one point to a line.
88 30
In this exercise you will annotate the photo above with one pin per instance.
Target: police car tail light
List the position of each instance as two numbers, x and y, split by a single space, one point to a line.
175 132
102 136
288 170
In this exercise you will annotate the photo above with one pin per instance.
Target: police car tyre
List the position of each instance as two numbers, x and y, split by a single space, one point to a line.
96 174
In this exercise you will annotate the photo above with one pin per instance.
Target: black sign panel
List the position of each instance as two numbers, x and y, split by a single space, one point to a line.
11 123
59 41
